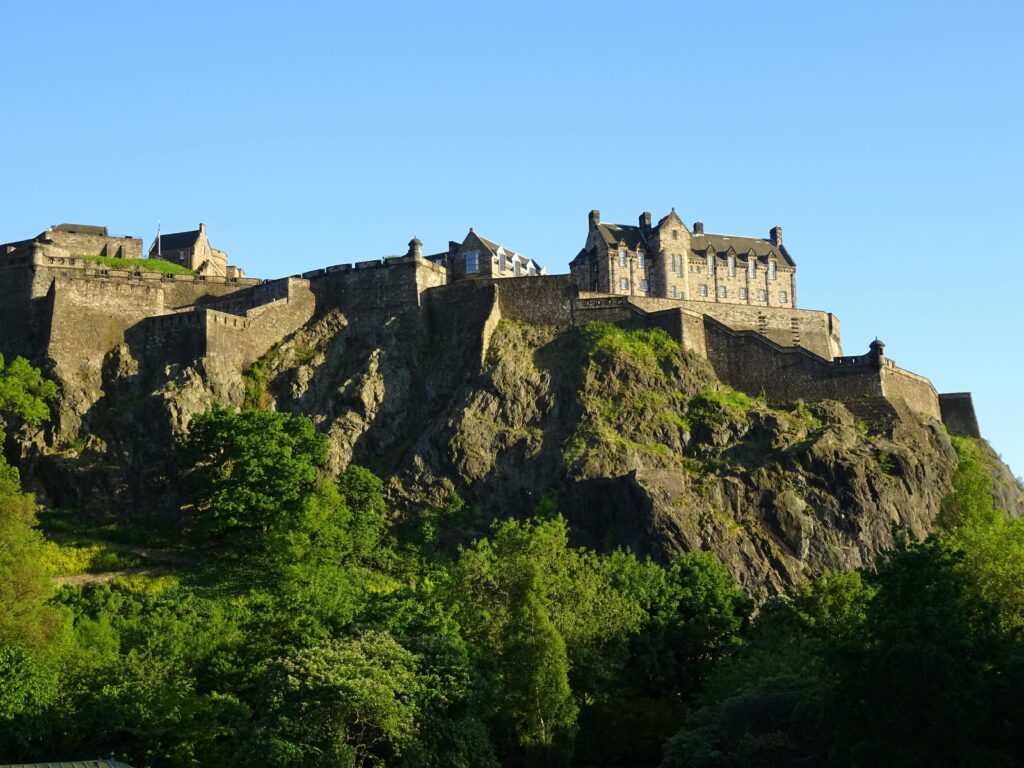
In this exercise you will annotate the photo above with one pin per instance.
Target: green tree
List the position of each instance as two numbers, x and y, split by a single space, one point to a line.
24 392
251 474
25 619
347 702
537 706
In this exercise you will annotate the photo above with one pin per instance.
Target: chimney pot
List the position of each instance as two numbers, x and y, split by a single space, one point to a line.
776 235
595 218
698 227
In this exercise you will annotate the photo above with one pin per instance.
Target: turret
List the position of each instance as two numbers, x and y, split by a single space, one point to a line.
415 248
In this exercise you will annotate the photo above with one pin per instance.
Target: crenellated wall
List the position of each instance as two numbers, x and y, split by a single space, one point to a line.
74 313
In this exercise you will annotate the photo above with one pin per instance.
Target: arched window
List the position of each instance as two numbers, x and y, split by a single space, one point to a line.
704 290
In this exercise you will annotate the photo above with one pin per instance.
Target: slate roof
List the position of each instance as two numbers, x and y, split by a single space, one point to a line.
175 241
613 234
80 229
741 245
494 247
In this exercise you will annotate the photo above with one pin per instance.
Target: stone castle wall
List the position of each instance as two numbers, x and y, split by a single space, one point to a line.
958 414
75 312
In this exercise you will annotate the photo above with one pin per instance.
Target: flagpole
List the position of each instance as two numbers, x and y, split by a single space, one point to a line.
159 252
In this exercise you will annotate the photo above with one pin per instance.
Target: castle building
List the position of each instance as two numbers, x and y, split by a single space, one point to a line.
670 261
476 256
83 240
192 250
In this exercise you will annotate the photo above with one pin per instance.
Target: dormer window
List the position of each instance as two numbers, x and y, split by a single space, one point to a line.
472 262
711 262
502 264
622 257
771 270
732 266
751 267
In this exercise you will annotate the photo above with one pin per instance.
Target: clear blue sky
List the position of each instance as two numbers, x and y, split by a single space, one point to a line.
886 139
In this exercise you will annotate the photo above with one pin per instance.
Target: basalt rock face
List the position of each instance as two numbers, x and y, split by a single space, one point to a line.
635 441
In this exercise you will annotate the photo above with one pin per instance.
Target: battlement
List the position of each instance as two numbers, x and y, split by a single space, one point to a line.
72 310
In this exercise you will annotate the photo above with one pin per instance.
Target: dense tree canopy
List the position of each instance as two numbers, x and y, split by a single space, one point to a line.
310 631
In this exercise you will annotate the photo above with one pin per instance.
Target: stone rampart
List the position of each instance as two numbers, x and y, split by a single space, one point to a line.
378 288
542 300
958 414
756 365
88 317
814 330
916 391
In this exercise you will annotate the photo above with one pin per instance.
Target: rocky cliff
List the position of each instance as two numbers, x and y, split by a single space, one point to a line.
633 439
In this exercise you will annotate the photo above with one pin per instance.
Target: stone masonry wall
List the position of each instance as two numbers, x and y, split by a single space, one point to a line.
81 243
813 330
958 414
916 391
755 365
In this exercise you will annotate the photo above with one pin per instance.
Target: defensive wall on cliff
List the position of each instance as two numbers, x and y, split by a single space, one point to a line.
745 358
74 312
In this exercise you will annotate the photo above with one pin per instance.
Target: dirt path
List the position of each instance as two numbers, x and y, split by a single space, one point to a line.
164 562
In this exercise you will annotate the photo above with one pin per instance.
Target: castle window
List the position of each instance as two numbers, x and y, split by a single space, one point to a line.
622 257
640 259
704 291
644 286
624 284
783 297
502 264
472 262
722 292
762 295
673 291
673 262
675 234
743 293
732 266
751 267
771 270
711 263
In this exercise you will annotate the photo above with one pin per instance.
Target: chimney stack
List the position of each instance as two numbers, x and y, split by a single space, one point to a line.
698 227
595 218
645 222
415 248
776 235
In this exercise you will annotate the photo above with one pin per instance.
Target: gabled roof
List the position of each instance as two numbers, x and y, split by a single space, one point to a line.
494 248
176 241
763 249
613 234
